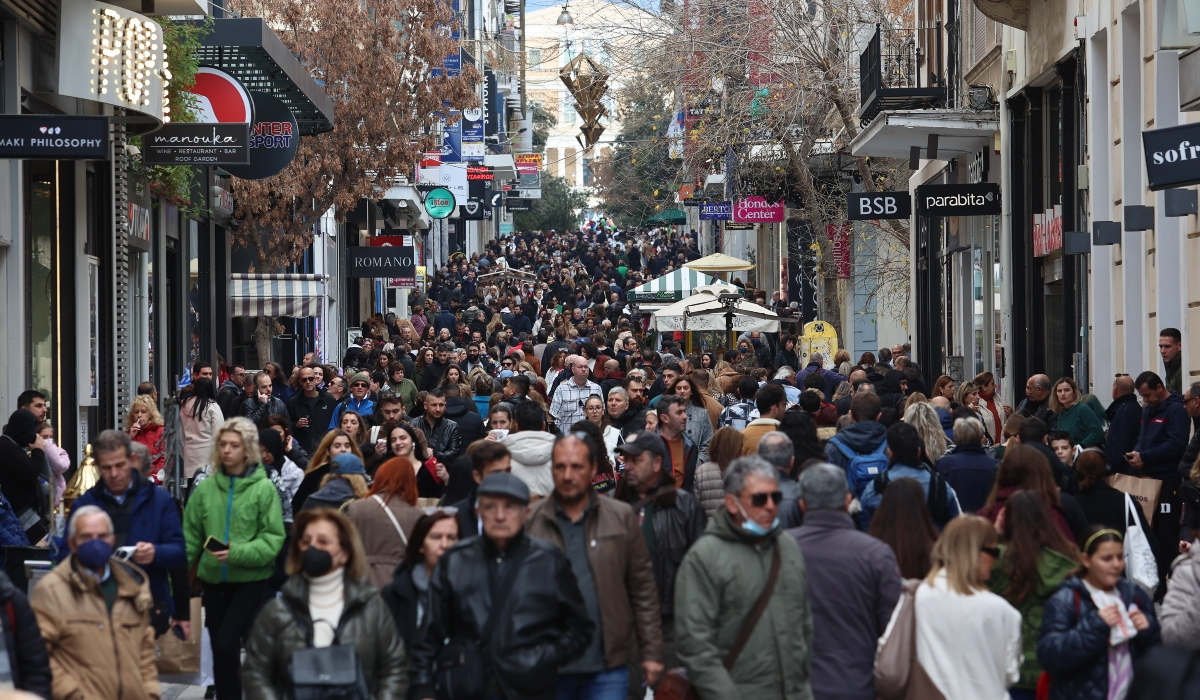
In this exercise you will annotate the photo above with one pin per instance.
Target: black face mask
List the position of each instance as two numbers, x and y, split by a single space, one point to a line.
316 562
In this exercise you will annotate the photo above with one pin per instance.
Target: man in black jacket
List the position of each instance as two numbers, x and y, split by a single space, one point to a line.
1124 417
541 623
1191 402
310 411
442 435
433 372
464 413
1037 401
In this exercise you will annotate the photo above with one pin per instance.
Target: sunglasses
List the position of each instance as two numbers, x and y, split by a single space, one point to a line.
759 500
994 552
357 385
308 379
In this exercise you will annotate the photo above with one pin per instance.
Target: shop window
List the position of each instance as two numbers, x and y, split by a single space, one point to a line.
41 288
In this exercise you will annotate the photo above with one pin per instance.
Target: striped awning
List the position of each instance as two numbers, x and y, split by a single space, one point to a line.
669 289
297 296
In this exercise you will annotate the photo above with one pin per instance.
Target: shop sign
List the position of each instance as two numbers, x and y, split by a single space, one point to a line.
686 192
757 210
53 137
528 162
871 206
139 221
480 174
839 236
220 201
693 202
716 211
527 194
198 144
979 199
738 226
439 203
1172 156
472 134
274 137
1047 231
221 98
516 204
382 261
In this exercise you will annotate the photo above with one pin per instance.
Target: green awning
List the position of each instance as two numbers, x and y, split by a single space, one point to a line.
670 288
670 216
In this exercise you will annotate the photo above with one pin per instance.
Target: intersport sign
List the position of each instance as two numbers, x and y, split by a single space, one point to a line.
977 199
1172 156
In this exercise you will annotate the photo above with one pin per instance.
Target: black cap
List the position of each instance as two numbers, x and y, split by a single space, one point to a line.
647 440
504 484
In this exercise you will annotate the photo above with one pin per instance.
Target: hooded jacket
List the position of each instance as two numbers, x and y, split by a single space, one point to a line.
862 438
717 586
891 395
21 471
531 452
463 411
1164 436
245 513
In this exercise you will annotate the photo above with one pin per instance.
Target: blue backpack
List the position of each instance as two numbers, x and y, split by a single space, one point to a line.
862 468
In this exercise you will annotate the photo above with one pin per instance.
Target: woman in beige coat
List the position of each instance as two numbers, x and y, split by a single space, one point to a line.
385 518
199 417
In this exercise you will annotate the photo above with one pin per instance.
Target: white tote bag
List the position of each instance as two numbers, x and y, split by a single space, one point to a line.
1140 564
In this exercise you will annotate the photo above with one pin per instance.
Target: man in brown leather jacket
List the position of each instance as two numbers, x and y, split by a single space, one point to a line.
609 557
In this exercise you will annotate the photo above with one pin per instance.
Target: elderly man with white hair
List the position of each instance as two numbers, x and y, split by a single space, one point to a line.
94 612
816 365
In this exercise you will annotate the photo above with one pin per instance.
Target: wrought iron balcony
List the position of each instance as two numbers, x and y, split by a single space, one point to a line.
890 73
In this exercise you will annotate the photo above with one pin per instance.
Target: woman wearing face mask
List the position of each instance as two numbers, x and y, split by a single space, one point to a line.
407 593
1097 625
325 601
233 525
334 443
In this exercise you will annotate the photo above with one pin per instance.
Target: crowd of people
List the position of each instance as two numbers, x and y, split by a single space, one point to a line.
511 494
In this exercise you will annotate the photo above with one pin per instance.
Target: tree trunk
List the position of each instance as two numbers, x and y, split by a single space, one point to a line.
262 340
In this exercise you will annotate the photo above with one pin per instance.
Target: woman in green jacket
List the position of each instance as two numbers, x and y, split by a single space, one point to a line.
1074 416
1034 558
233 525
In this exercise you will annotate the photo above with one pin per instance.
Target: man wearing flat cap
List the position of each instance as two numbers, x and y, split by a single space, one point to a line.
540 620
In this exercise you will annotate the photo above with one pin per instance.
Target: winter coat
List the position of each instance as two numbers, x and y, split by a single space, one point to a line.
336 494
11 532
853 583
718 584
1124 417
364 408
970 471
1053 567
787 358
832 379
531 451
285 626
27 656
870 500
20 472
256 410
445 438
148 515
95 653
1057 512
862 438
1164 436
319 412
384 546
403 599
1103 505
754 432
1180 616
543 624
60 463
198 434
623 576
463 412
1073 646
632 420
243 512
1083 425
1041 410
710 487
995 427
691 457
699 429
891 396
673 521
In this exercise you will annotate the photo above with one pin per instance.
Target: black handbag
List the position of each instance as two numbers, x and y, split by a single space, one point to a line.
461 669
329 673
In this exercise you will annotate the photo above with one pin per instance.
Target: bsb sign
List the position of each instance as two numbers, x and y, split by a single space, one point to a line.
1172 156
978 199
870 206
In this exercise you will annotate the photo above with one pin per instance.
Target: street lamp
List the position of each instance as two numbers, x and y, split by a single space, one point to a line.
565 17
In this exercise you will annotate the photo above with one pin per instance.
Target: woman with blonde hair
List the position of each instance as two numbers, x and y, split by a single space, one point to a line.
386 517
144 424
335 442
968 638
841 360
1074 416
921 416
326 600
724 447
345 483
915 398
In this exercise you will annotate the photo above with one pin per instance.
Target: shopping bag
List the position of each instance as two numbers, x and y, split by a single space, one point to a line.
1140 564
1144 490
176 656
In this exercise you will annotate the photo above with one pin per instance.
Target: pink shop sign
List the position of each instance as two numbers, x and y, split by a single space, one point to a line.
756 210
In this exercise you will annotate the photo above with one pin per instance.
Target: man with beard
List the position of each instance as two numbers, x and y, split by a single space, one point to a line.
623 416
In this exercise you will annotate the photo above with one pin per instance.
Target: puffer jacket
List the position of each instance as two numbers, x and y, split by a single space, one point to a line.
718 584
710 487
1073 648
1180 616
95 653
531 452
543 624
27 657
1052 569
243 512
285 626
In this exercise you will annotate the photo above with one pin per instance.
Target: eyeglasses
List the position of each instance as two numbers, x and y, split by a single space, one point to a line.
759 500
448 510
994 552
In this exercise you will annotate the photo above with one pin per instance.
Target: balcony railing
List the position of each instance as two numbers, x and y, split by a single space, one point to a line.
890 73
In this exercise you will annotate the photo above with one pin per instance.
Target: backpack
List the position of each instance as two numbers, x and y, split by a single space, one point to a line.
862 468
936 498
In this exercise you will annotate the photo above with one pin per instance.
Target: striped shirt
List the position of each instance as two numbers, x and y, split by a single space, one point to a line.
569 398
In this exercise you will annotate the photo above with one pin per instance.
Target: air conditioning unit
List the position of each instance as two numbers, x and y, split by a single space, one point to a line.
981 97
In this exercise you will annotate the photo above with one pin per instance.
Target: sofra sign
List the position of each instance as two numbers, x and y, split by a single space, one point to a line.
1172 156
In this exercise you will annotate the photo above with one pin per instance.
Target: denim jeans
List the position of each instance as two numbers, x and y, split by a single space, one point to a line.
612 684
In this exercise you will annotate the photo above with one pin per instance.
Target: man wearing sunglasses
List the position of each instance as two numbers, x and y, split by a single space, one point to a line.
720 580
359 400
310 411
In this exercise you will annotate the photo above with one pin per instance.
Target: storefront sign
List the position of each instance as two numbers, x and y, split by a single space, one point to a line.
693 202
381 261
439 203
716 211
53 137
528 161
221 98
516 204
756 210
274 137
480 174
1172 156
198 144
870 206
738 226
1047 231
220 202
978 199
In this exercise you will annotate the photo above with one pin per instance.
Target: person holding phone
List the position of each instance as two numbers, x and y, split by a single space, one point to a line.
144 424
233 525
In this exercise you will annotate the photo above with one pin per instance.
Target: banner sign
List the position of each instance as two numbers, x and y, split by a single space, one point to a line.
756 210
802 267
527 194
693 202
528 161
1172 156
198 144
871 206
716 211
480 174
274 137
53 137
382 261
977 199
839 236
472 135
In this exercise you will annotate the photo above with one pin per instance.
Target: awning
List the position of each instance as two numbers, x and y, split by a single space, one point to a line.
960 132
297 296
669 289
670 216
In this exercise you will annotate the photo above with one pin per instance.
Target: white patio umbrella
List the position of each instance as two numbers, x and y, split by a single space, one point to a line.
704 311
